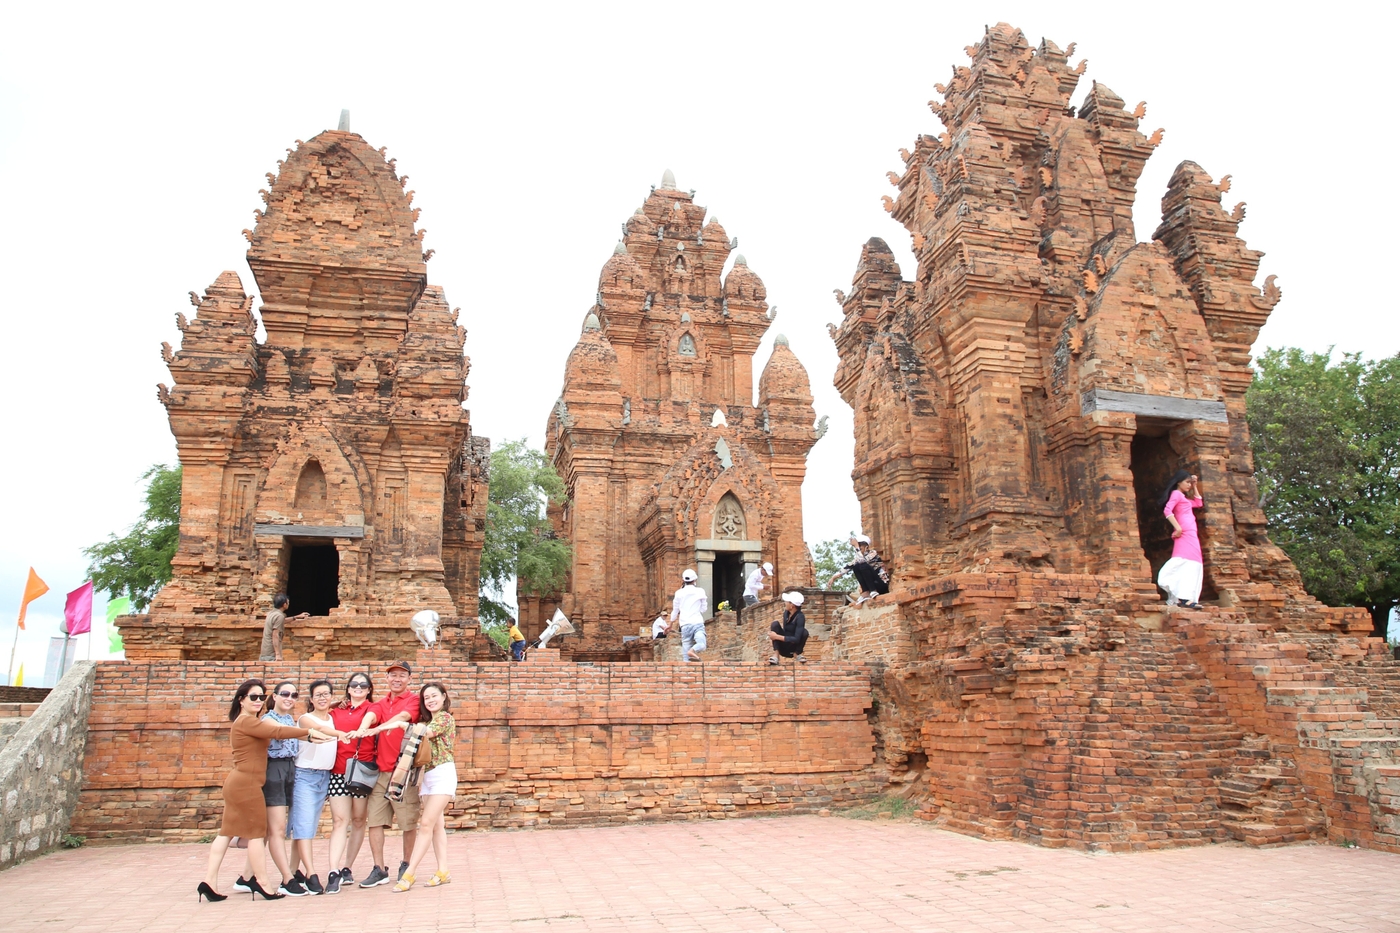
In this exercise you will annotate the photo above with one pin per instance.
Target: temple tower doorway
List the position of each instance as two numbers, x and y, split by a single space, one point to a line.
1153 461
313 577
729 578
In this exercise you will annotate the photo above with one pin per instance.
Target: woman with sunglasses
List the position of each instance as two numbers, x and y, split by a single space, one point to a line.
245 813
349 815
279 784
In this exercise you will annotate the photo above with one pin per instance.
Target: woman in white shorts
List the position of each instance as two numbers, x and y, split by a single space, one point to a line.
438 787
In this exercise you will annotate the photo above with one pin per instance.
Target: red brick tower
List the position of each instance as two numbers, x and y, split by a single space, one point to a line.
334 461
1019 406
668 461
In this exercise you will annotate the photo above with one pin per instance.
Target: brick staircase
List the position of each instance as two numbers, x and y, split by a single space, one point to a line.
1321 733
1145 743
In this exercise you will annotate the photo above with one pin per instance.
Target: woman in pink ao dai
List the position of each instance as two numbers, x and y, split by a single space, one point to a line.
1181 576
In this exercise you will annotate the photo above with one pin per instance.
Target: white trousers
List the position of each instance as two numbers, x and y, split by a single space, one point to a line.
1181 578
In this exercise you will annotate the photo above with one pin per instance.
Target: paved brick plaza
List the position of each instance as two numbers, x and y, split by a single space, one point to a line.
786 873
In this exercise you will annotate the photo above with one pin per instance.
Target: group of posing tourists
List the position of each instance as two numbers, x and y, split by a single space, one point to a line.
347 752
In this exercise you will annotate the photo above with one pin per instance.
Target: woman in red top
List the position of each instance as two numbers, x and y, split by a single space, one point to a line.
348 814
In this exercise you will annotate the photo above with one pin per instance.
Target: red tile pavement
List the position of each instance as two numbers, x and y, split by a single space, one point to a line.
782 874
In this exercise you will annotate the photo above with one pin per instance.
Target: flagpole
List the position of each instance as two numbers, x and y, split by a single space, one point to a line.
10 671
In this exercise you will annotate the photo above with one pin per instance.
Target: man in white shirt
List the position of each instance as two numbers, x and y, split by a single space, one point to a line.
754 585
688 606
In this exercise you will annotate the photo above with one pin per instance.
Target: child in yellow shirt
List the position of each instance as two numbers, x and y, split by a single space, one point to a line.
517 642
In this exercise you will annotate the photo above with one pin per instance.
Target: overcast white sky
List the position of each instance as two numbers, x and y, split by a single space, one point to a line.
136 139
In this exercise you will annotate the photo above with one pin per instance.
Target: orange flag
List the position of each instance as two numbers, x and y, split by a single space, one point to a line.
33 589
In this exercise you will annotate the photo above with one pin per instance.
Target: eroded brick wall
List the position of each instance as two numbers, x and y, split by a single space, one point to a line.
537 743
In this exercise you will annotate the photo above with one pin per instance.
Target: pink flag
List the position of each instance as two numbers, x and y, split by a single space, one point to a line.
77 612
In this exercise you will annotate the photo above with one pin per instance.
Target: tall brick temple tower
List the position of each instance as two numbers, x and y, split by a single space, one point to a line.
1019 406
668 461
333 461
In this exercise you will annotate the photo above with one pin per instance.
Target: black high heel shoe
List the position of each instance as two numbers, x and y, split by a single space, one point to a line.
205 891
258 889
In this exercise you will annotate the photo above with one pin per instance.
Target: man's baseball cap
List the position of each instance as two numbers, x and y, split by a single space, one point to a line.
400 663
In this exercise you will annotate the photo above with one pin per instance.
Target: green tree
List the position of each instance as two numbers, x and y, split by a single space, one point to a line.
1327 455
520 540
833 555
137 564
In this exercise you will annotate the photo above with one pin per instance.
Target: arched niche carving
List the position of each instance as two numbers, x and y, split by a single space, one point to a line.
344 480
729 523
686 345
311 487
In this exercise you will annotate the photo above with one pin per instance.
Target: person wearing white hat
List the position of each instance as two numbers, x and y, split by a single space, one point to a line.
871 576
790 635
688 607
754 585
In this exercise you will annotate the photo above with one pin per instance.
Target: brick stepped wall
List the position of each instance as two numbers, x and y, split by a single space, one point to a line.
1277 686
1134 745
537 743
1080 725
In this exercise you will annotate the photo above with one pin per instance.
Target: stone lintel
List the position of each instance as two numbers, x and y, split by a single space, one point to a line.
311 531
1156 406
727 544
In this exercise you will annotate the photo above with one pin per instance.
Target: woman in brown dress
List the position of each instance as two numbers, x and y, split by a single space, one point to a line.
245 813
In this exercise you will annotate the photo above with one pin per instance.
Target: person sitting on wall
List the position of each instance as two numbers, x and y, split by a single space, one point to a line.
1182 575
790 635
660 627
688 607
754 585
517 642
272 628
872 579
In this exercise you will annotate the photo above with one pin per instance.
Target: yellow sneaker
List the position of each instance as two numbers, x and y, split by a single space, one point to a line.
441 877
405 882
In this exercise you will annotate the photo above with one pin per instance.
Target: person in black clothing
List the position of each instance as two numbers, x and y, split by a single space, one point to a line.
871 577
790 635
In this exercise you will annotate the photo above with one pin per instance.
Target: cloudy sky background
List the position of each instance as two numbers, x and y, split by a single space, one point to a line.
135 141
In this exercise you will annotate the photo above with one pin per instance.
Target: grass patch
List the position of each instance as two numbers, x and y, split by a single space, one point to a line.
888 807
71 841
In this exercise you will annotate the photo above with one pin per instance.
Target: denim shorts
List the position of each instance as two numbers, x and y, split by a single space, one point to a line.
308 800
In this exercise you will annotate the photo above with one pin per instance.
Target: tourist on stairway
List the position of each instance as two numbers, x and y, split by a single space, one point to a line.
349 814
245 810
387 719
688 607
754 584
272 628
438 787
790 635
1182 576
872 579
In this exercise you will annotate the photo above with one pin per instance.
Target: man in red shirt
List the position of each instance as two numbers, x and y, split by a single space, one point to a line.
388 718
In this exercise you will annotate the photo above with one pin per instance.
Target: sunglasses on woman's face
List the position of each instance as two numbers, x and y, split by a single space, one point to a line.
255 697
289 695
359 686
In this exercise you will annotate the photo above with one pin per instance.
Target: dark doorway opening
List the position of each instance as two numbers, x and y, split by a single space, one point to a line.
729 580
313 579
1153 463
1154 460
